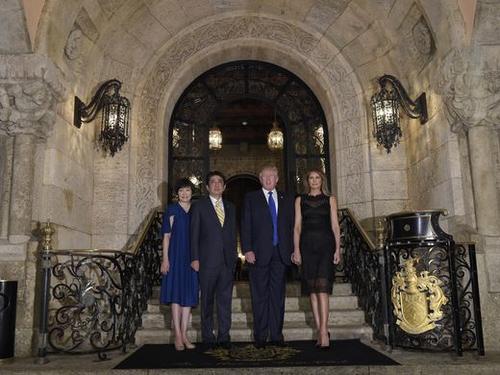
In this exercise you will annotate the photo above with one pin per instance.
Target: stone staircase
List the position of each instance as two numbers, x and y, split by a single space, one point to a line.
346 320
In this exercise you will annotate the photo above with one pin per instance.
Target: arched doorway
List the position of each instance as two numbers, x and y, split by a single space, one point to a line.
274 90
236 188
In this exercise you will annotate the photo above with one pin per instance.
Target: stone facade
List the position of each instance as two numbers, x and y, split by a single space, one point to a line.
52 170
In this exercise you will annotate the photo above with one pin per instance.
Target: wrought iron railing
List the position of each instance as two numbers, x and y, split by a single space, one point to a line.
92 300
362 265
371 270
460 327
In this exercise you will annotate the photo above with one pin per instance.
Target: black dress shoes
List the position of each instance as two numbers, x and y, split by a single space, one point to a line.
225 345
259 344
205 346
280 343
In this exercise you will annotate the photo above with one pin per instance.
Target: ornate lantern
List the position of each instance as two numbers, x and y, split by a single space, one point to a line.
275 138
385 111
215 138
115 115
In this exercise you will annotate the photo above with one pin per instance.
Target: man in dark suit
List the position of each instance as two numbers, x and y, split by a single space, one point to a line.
267 242
213 255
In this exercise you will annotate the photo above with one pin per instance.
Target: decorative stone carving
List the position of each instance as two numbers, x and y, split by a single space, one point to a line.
471 91
422 37
26 108
73 46
193 41
30 87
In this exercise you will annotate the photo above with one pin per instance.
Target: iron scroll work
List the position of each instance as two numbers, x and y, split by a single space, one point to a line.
362 266
435 296
95 298
303 119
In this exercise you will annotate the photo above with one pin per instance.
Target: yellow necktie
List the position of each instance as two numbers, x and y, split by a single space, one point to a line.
219 211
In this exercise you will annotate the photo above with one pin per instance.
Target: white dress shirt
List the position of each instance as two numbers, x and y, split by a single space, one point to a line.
213 200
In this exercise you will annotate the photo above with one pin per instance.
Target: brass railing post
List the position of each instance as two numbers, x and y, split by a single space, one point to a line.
46 248
381 233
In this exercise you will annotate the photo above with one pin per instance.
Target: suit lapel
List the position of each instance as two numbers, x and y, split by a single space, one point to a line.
281 199
264 204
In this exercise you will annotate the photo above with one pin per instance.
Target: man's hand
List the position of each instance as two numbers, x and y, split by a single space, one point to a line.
165 266
195 265
250 257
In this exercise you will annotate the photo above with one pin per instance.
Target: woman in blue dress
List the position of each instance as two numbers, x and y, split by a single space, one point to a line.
179 285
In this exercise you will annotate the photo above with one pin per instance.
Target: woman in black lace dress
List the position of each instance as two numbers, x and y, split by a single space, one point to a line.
317 248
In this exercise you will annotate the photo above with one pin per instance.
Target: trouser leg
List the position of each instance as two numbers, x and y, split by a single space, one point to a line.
277 290
208 282
224 293
259 282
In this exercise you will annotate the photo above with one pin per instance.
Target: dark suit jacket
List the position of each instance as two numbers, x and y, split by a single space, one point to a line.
211 243
257 227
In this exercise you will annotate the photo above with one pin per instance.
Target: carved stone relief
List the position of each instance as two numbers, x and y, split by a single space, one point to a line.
422 37
73 46
417 41
26 108
471 91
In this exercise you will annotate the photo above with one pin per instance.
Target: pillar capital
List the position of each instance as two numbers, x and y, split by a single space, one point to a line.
30 88
470 88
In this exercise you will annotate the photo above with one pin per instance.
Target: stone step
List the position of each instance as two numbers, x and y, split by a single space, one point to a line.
291 331
244 304
336 317
242 289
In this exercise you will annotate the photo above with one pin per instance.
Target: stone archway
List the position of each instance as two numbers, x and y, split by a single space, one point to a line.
325 71
300 117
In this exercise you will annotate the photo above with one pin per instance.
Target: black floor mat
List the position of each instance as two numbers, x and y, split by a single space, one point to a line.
244 354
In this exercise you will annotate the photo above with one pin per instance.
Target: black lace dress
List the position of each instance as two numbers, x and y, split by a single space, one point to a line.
317 245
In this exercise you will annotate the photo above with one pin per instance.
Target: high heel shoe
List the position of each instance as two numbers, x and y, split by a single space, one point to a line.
189 345
179 347
318 341
325 347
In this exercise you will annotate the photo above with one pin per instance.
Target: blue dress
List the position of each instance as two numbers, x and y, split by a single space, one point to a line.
180 284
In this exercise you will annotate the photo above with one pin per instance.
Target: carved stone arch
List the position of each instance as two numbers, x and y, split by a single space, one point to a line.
323 69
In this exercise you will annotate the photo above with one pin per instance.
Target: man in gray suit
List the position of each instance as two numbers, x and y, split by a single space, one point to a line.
213 255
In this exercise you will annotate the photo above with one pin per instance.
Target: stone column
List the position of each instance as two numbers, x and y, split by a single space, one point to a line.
484 180
30 87
22 188
471 93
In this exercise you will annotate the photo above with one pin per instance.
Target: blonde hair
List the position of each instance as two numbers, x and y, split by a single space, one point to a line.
324 185
270 168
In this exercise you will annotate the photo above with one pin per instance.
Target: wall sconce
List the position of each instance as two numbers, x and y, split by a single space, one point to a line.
215 138
385 111
115 115
275 137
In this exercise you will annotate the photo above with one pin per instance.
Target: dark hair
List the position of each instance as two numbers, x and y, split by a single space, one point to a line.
183 183
214 173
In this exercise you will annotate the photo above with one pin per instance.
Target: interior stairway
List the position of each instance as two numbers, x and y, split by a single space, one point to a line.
346 320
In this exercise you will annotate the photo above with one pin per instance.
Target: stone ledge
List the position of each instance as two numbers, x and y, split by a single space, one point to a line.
12 252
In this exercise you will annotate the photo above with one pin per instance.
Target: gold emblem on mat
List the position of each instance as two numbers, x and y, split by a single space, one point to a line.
417 300
248 353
